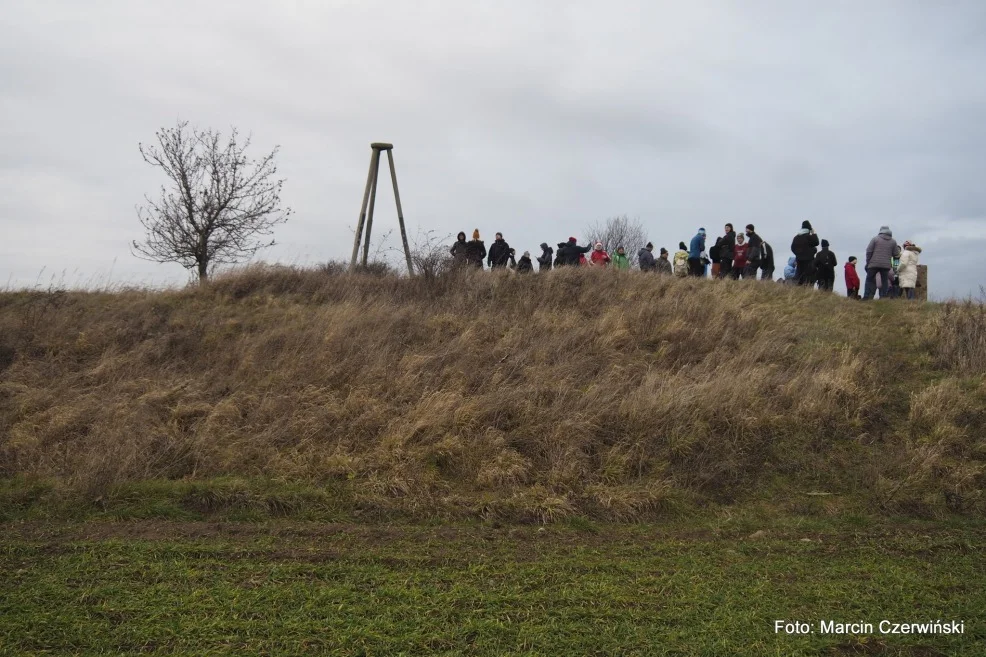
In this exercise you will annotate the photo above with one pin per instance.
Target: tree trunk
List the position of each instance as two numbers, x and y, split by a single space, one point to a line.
203 273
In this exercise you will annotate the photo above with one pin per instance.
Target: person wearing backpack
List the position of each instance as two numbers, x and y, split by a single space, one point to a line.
824 264
754 252
681 263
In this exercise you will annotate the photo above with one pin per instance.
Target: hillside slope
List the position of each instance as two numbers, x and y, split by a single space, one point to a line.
615 395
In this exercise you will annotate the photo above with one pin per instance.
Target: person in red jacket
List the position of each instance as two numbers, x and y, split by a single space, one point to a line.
852 279
740 252
599 256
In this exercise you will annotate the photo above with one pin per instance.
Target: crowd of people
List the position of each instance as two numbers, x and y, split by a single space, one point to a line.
890 268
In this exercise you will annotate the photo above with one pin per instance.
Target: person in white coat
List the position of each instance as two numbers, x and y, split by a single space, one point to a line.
907 272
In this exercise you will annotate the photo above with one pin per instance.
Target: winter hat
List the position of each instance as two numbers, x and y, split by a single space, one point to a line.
475 234
599 246
527 254
650 246
750 227
806 225
825 244
885 230
664 251
701 231
572 240
681 245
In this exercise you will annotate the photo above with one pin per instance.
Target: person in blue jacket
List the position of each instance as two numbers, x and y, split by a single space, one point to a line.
695 251
791 270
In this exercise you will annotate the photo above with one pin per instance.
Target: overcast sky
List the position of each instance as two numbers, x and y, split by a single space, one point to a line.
530 118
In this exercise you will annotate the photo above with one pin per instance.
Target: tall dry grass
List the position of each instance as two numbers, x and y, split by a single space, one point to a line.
614 394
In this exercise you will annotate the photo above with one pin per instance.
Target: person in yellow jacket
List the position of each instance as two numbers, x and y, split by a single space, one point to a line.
681 261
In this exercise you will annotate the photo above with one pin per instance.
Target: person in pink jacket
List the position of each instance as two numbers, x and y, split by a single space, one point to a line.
599 257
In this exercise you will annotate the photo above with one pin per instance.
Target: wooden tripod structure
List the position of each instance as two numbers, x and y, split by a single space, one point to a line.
370 196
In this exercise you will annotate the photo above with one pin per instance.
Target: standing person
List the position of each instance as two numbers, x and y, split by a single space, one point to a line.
696 252
907 272
681 264
663 265
620 259
599 257
766 262
524 265
824 265
740 252
727 251
803 247
714 255
499 253
852 279
559 261
544 260
645 258
459 249
754 254
880 253
571 254
475 250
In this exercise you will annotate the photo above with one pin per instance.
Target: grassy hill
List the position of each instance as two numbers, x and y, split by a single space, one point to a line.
611 396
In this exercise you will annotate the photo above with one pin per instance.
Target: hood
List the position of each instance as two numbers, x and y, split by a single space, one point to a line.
545 247
804 231
885 230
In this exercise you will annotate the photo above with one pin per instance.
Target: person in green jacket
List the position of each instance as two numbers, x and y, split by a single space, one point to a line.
620 259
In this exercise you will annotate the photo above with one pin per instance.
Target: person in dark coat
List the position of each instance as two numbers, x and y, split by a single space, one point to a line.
803 247
570 252
663 265
475 250
767 262
754 252
645 258
824 264
459 249
727 248
525 265
499 253
544 260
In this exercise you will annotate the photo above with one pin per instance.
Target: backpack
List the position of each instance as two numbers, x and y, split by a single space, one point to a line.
681 264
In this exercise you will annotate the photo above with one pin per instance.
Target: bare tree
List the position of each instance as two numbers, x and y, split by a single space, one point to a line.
216 205
619 231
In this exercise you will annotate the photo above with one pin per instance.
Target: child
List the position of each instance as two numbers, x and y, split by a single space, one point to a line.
852 279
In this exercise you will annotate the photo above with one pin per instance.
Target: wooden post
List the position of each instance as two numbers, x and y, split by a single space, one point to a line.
400 212
921 291
362 213
370 197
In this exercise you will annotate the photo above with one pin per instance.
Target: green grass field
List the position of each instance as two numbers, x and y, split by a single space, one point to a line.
713 586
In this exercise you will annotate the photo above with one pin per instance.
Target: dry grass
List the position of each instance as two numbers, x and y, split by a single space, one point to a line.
618 395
